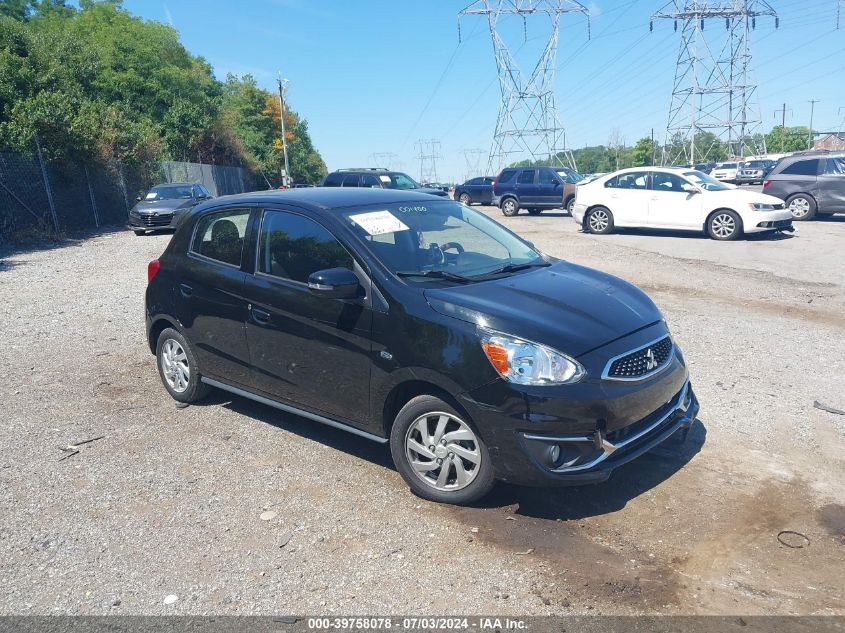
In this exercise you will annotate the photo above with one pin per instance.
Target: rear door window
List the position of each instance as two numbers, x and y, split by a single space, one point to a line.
220 236
527 177
632 180
351 180
802 168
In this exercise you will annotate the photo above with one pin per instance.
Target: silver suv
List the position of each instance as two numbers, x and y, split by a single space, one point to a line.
810 183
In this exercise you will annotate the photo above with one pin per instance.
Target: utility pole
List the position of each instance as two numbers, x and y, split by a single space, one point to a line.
783 111
813 103
652 147
283 87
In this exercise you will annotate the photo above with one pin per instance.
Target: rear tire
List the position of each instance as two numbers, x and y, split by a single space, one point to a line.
426 430
178 369
570 205
802 207
599 221
724 225
510 207
534 211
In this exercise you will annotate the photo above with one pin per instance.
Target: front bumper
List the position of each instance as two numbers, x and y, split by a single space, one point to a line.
761 221
596 424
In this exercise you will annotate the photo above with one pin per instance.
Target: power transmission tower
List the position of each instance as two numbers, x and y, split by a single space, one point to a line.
387 160
712 98
528 125
428 151
472 158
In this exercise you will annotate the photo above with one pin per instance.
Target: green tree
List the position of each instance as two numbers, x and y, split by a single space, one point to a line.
791 139
644 153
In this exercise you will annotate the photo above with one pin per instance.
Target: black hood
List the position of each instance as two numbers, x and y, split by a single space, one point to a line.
568 307
173 204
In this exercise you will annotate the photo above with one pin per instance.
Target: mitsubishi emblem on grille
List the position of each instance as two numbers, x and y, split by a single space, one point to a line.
650 360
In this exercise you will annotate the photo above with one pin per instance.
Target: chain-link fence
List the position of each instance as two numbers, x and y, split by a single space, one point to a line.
37 195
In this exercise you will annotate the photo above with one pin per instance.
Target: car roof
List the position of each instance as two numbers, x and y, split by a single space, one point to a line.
176 184
324 198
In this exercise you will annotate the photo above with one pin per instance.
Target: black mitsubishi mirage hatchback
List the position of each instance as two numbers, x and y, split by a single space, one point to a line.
417 321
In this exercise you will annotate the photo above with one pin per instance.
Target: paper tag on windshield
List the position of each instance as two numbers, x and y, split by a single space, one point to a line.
384 178
151 196
378 222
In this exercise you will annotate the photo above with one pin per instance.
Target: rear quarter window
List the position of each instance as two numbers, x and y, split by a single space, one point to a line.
506 176
802 168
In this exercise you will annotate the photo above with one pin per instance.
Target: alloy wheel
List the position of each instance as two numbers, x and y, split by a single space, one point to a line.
599 221
464 199
723 225
443 451
799 207
174 365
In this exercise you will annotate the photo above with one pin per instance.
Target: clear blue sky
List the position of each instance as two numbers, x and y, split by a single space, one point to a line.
375 76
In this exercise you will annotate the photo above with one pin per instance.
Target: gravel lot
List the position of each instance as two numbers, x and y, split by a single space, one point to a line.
234 507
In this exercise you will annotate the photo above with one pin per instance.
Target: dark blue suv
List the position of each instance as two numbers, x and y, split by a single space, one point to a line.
535 189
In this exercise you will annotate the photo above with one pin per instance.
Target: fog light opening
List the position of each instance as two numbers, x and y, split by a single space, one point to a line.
553 455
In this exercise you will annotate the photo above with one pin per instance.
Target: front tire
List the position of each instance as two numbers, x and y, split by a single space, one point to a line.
140 233
724 225
177 366
439 454
599 221
801 206
465 199
534 211
510 207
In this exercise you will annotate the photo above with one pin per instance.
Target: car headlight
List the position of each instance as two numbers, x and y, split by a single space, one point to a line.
756 206
526 363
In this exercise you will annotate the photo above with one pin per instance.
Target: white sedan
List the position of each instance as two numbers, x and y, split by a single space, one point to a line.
679 199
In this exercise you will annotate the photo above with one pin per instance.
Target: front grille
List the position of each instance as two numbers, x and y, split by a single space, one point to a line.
156 220
641 362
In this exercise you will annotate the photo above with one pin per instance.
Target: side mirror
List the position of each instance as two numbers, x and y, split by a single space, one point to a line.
690 188
334 283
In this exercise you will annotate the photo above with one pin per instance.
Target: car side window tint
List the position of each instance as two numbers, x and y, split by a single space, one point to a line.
547 177
633 180
333 180
220 236
506 176
526 177
351 180
835 166
662 181
489 181
368 180
292 247
802 168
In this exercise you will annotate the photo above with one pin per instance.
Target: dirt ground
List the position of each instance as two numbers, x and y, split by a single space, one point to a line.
169 502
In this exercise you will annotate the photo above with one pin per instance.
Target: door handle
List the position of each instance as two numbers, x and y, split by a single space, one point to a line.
259 316
186 290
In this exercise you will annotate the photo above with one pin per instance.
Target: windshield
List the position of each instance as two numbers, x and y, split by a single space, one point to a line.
708 183
398 180
170 192
429 242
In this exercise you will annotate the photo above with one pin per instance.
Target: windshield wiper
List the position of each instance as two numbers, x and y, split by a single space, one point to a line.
438 274
512 268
